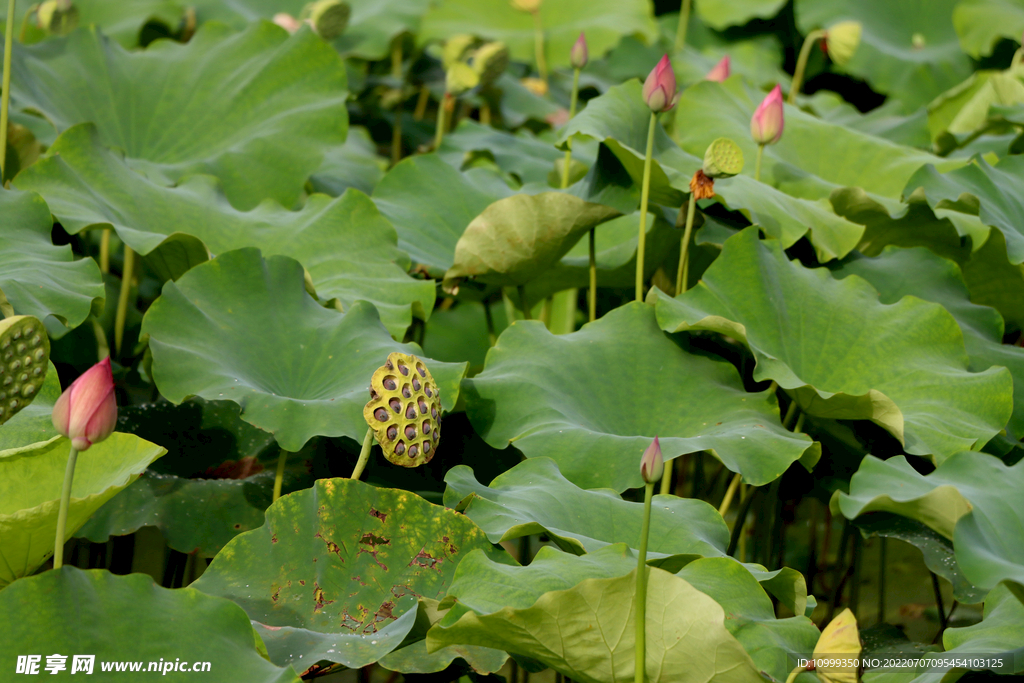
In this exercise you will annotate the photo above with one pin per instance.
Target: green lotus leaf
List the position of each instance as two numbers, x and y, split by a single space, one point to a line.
1000 632
31 478
119 618
243 328
908 49
604 21
348 248
122 21
590 399
354 164
460 333
584 628
165 106
971 499
721 14
974 107
521 154
841 353
981 23
516 239
335 570
33 423
38 278
919 272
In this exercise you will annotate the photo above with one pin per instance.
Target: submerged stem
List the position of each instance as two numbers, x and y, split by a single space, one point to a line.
683 274
801 64
364 454
279 475
645 191
5 103
62 512
641 589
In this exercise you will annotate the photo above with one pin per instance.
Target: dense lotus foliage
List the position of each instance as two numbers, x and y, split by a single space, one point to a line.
720 305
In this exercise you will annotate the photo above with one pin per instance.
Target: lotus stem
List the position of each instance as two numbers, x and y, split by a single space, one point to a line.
741 520
5 103
492 337
364 455
279 475
572 112
62 512
421 104
439 131
799 427
683 274
801 64
790 413
592 293
396 129
122 299
105 251
729 494
665 487
757 166
538 47
881 579
522 301
645 191
684 23
485 114
641 590
737 529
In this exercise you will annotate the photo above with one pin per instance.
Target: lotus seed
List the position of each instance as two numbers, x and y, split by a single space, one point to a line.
414 450
405 391
28 390
403 369
433 412
426 427
36 340
381 414
410 432
410 412
390 384
430 394
37 371
416 384
23 377
423 407
396 405
392 432
7 380
420 369
400 447
22 347
38 355
426 447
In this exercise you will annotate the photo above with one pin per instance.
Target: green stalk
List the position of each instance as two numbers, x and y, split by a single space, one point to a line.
665 488
757 167
439 131
105 251
65 501
538 47
23 31
396 129
683 274
801 64
729 494
684 22
122 299
592 300
645 191
5 103
572 112
641 590
522 301
364 454
279 475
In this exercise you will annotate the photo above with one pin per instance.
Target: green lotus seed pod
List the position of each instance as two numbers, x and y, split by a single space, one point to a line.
404 410
490 61
24 354
723 159
842 40
58 17
456 48
461 78
329 17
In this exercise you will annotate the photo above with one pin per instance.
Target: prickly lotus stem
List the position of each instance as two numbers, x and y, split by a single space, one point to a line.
405 410
24 352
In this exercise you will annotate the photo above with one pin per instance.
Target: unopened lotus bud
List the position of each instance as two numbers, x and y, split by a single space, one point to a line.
86 412
58 17
329 18
652 466
720 72
404 410
537 86
767 122
24 354
456 48
490 61
579 55
287 22
723 159
842 40
659 90
460 78
526 5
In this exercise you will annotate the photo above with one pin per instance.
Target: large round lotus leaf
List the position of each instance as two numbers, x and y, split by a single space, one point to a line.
165 106
37 277
516 239
721 14
521 153
33 423
981 23
348 248
31 478
119 619
24 360
908 49
1000 632
335 570
243 328
919 272
605 22
355 164
972 498
843 354
593 400
575 615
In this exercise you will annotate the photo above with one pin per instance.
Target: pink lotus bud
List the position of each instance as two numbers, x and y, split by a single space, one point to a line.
766 124
86 412
651 465
579 55
660 87
720 72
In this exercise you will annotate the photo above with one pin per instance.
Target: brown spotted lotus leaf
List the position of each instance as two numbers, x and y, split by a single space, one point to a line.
24 352
404 410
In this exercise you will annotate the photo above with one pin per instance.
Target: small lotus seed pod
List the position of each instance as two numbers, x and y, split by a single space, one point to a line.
456 48
842 39
404 410
461 78
58 17
490 61
24 358
328 17
652 466
723 159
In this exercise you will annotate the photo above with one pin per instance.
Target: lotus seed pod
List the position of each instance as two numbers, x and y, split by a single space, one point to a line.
328 17
723 159
526 5
58 17
489 62
404 410
24 354
456 48
842 40
460 78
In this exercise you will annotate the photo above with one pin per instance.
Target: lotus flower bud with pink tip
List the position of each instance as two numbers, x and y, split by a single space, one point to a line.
86 412
720 72
660 87
651 465
766 124
579 55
